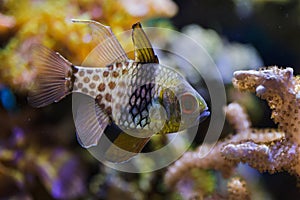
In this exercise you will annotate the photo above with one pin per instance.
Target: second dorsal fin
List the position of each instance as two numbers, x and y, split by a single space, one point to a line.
142 47
108 50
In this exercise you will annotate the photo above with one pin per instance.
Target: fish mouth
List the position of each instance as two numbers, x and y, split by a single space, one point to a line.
203 115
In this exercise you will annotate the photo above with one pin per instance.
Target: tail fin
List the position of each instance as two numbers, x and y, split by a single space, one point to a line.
54 76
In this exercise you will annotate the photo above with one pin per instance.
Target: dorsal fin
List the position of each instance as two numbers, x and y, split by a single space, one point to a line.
108 50
143 50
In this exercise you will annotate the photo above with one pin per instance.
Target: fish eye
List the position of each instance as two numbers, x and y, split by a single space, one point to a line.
188 103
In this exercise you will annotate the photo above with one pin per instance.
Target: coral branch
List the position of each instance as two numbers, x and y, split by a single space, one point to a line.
264 157
237 189
237 117
280 89
205 157
270 150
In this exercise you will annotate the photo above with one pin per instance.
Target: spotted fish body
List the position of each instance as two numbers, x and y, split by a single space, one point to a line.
130 108
100 83
137 98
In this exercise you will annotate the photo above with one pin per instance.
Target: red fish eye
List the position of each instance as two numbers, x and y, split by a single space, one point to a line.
188 103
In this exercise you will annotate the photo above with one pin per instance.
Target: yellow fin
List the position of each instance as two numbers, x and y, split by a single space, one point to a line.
142 47
125 147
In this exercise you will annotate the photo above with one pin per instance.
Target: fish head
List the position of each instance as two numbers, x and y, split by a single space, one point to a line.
192 105
184 106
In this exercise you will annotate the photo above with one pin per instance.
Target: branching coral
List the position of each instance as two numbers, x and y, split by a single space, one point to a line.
270 150
237 189
280 89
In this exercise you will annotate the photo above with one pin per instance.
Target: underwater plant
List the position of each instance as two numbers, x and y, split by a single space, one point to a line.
267 150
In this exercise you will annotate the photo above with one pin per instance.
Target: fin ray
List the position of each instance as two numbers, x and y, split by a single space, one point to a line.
52 73
108 50
143 50
90 120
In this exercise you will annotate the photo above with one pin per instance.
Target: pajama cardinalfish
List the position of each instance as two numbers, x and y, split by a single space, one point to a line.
134 98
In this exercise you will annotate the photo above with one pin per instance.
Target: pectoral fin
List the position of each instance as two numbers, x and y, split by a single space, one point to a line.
142 47
108 50
90 120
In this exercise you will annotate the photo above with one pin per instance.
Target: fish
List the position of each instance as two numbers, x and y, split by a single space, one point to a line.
126 100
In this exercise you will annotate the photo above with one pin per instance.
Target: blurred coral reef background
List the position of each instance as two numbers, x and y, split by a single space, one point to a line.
39 154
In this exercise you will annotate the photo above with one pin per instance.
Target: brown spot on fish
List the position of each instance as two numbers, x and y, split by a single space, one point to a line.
124 71
86 79
126 64
89 71
111 85
67 84
96 77
99 98
118 106
81 73
101 87
108 110
80 85
108 97
115 74
119 94
105 73
110 67
119 65
92 93
102 106
85 90
92 85
69 74
122 84
75 87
